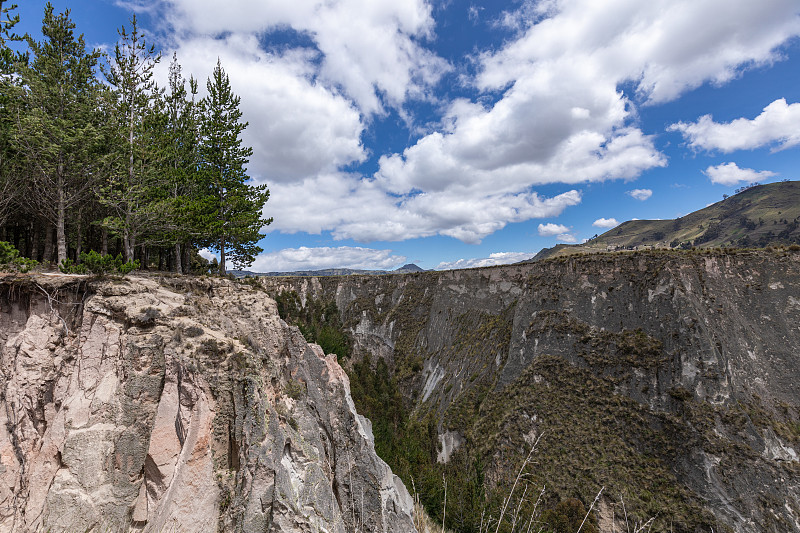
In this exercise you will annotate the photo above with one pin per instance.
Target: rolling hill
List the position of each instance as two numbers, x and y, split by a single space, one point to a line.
758 216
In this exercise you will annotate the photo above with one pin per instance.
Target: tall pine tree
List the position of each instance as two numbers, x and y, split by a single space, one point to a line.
57 126
180 170
8 89
232 208
129 191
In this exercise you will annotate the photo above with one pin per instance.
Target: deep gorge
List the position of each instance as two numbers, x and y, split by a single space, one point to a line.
666 377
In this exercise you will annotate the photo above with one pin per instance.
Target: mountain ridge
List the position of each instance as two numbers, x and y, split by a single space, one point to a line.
408 268
664 372
756 216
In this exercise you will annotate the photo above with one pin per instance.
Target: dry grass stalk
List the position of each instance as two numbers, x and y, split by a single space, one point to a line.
514 486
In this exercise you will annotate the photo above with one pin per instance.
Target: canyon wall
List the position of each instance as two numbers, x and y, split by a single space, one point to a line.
669 378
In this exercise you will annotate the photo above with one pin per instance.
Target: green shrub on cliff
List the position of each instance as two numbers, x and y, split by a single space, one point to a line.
318 321
568 516
98 264
10 259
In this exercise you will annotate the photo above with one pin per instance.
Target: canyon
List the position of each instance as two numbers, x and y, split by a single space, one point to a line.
162 402
666 377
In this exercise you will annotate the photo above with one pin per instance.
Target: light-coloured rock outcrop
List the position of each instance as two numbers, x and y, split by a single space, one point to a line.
177 405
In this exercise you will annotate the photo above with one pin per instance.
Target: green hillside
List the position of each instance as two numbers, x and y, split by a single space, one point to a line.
756 217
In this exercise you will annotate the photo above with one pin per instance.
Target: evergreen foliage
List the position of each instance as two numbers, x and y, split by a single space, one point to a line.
7 60
11 260
57 133
98 264
232 209
95 156
318 321
131 187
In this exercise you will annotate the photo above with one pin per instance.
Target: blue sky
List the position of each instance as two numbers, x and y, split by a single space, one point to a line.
452 133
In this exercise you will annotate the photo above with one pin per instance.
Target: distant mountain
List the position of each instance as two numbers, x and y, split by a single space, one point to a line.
405 269
758 216
408 268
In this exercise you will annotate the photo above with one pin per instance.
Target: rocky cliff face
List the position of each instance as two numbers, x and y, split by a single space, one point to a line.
669 378
177 405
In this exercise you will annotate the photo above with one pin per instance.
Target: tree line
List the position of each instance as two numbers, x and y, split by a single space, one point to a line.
95 155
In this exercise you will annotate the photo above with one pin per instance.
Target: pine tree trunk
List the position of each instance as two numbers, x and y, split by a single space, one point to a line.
29 240
129 244
61 234
178 266
222 256
79 238
127 249
127 238
48 243
187 260
104 240
35 241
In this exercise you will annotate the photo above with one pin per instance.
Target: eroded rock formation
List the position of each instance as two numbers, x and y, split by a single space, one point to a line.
670 378
177 405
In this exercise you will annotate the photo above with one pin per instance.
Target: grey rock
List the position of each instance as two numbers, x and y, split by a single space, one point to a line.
719 329
112 420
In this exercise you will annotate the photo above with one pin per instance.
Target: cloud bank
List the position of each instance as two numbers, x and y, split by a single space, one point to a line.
544 108
498 258
730 174
778 125
306 258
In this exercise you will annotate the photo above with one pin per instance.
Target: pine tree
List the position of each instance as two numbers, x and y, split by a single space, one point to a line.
57 125
180 172
129 190
7 90
232 208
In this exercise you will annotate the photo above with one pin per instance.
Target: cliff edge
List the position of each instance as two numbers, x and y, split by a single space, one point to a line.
177 404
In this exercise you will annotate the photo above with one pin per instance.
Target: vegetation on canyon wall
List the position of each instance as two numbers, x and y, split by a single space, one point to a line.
628 367
408 441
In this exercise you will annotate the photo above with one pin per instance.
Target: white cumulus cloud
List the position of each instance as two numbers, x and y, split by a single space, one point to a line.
208 255
778 125
665 47
730 174
640 194
605 223
550 229
547 105
497 258
307 258
353 207
559 231
297 127
370 49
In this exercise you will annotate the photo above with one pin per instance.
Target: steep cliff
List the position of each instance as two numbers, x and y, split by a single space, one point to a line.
177 405
670 378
